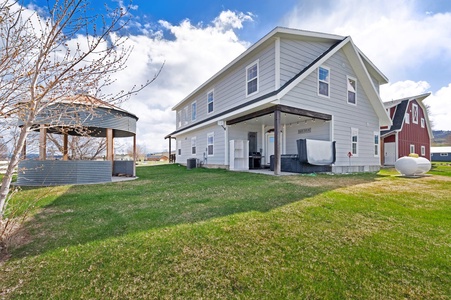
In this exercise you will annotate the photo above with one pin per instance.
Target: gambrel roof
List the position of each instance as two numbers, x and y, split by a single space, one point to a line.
401 108
362 66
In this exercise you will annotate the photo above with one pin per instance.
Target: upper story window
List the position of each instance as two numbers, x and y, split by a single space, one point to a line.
354 141
323 81
193 111
179 116
210 143
414 113
185 115
252 79
407 118
422 123
210 101
352 90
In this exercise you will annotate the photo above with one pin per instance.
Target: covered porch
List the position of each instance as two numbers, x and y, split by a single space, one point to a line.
271 132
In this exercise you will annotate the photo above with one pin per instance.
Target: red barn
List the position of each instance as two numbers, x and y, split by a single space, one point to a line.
410 132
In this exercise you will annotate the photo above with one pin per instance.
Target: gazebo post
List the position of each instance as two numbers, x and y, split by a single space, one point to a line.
65 146
170 150
110 147
134 155
42 142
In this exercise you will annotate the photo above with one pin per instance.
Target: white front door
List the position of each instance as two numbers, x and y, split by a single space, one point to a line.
390 154
270 146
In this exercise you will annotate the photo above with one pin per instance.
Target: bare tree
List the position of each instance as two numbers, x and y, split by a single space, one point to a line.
80 147
140 152
49 57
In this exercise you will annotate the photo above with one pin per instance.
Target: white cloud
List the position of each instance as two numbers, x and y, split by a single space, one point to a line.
400 38
193 54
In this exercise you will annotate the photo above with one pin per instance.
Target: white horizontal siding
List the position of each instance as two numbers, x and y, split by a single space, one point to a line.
201 145
295 55
319 130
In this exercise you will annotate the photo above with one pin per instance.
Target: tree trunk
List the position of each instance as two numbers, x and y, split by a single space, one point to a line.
6 182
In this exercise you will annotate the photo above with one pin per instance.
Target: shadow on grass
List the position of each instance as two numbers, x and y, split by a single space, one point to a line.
165 196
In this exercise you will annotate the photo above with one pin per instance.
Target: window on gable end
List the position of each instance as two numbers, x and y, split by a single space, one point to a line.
407 118
423 124
323 81
414 113
179 116
252 79
352 90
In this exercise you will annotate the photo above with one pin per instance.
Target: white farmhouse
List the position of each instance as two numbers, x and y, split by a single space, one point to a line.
290 85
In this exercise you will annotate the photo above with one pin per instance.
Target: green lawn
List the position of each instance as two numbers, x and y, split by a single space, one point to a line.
214 234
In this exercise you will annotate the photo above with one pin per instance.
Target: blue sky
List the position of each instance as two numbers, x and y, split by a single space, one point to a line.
408 40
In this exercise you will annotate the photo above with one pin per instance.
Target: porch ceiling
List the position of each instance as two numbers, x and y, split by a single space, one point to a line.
289 116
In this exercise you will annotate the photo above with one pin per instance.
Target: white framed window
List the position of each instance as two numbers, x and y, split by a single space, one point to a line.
193 111
414 113
179 147
193 145
407 118
376 143
323 81
352 90
179 116
210 101
210 143
423 150
412 148
423 124
354 141
252 78
185 115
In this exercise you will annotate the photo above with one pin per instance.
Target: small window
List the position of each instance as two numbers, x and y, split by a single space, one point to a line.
179 115
407 118
210 101
193 111
423 150
179 147
354 141
323 81
376 143
422 123
352 90
210 143
252 79
412 148
414 113
193 145
185 115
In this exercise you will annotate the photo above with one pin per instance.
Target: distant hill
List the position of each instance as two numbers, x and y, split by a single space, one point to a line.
441 138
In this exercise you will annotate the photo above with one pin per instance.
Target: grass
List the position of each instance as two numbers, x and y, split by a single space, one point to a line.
213 234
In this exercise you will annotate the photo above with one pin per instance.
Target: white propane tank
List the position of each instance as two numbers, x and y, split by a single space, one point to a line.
411 166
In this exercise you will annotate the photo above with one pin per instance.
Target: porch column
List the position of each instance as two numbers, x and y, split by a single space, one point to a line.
277 159
65 144
42 142
170 149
